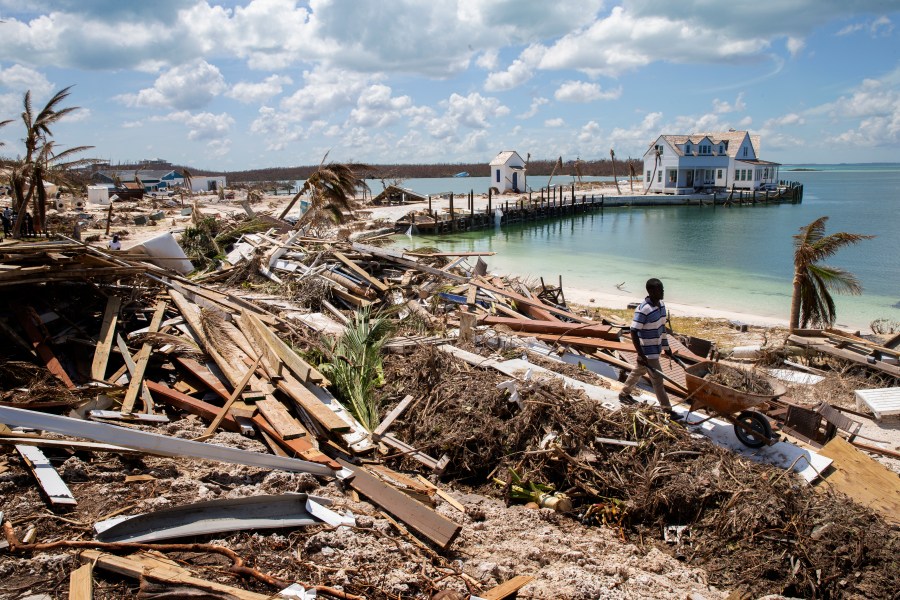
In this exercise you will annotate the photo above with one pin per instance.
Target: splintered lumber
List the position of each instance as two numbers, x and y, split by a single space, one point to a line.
81 582
107 334
205 376
280 419
411 264
238 390
862 478
819 345
141 565
435 465
267 339
311 404
136 383
436 528
54 487
584 342
592 330
352 286
29 320
192 405
350 298
523 301
392 416
360 272
507 589
301 447
154 443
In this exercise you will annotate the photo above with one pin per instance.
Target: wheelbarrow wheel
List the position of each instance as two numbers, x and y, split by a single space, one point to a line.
755 421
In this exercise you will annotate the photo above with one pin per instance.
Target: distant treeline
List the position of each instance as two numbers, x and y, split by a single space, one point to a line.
585 168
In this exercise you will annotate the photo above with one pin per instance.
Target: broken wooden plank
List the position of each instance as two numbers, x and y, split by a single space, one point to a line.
360 272
162 571
523 301
302 447
438 529
280 419
81 582
311 404
136 384
107 335
411 264
435 465
266 337
592 330
29 320
206 377
863 478
154 443
190 404
447 497
507 589
56 490
228 403
392 416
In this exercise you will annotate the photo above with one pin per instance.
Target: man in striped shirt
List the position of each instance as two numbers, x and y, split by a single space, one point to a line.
648 334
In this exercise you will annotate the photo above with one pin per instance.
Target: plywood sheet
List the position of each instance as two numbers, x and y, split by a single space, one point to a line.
864 479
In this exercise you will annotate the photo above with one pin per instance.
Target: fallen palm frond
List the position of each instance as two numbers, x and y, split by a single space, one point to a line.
355 365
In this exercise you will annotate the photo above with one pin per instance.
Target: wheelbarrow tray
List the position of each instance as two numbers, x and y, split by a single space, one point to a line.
721 398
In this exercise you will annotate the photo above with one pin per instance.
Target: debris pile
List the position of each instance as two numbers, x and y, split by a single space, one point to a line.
318 414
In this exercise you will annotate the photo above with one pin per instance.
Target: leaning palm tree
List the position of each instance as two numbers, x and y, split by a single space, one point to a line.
811 302
332 189
657 158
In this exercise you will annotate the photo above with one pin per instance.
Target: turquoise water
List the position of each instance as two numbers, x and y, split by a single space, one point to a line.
737 259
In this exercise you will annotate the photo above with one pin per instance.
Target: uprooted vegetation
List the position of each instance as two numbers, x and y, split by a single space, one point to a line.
751 526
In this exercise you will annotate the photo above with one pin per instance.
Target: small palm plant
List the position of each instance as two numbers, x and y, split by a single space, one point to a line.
355 366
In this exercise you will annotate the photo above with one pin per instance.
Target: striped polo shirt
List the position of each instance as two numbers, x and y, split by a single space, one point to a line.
650 324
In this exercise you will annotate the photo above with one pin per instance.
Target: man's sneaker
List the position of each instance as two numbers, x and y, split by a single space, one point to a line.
626 398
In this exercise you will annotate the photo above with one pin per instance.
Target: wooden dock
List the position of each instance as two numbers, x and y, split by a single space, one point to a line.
547 203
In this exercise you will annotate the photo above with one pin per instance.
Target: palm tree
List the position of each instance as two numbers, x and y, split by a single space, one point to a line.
656 161
556 165
2 124
811 301
188 183
612 157
332 189
40 162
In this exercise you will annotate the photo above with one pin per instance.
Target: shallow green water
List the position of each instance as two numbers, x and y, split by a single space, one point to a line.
737 258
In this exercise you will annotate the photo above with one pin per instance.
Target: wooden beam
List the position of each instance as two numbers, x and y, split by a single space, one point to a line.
267 338
29 320
204 410
594 330
206 377
522 300
436 528
301 447
411 264
392 416
281 420
107 335
136 384
81 582
584 342
434 464
311 405
360 272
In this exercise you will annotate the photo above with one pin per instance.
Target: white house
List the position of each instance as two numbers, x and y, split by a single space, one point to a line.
683 164
508 172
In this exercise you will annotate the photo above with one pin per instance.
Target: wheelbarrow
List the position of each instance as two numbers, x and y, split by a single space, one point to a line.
751 427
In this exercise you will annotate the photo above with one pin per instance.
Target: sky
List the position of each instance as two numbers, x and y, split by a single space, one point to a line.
267 83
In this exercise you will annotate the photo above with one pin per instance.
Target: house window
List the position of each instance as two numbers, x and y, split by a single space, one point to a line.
721 149
648 176
766 173
659 177
498 175
659 149
687 148
745 150
719 176
709 174
673 175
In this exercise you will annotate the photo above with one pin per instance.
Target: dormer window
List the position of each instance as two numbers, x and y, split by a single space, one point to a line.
687 148
745 150
659 149
721 149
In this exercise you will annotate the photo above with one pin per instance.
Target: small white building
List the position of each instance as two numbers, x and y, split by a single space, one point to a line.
98 194
684 164
207 183
508 172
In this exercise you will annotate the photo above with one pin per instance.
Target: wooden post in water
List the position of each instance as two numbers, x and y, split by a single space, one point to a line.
573 194
429 206
490 195
452 218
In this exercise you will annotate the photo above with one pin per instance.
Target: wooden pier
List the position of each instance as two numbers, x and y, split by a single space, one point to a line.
558 201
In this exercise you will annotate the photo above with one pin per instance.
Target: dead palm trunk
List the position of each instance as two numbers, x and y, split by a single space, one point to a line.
556 165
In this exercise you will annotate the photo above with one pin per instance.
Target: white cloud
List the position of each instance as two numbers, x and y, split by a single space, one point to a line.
590 133
557 122
875 108
255 93
186 87
536 104
324 92
722 107
880 27
520 71
376 107
473 111
582 91
218 148
795 45
489 59
201 126
784 120
14 82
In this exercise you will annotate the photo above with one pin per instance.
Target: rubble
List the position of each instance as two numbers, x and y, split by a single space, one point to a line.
150 391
